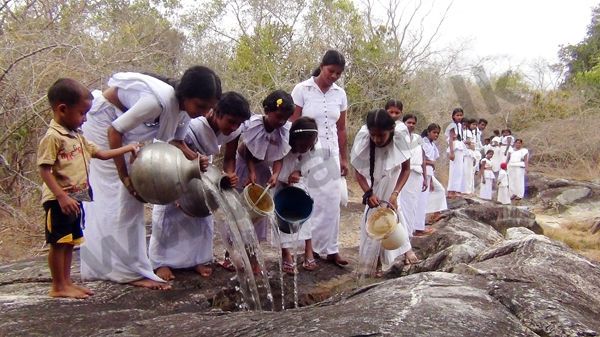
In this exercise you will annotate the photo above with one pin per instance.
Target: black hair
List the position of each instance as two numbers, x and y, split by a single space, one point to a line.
483 120
430 128
407 117
455 111
380 119
67 91
331 57
519 140
496 132
287 105
472 120
233 104
305 124
509 132
393 102
489 151
197 82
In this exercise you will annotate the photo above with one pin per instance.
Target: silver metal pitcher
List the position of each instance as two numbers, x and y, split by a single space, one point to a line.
161 173
198 199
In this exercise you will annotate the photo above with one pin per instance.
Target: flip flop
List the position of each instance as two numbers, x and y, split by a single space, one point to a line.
309 264
291 268
410 258
227 264
427 231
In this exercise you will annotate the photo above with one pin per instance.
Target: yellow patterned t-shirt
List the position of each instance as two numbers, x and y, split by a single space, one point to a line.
69 154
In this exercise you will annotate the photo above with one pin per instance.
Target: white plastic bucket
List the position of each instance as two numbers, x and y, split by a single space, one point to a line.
383 225
264 207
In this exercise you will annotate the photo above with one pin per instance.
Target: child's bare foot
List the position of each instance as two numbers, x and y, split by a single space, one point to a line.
83 289
203 270
70 292
165 273
146 283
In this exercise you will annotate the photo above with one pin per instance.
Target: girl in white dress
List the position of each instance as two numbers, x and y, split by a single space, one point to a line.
456 148
135 108
265 141
180 240
435 195
470 157
320 98
297 164
518 166
381 158
416 184
487 177
497 158
503 196
506 144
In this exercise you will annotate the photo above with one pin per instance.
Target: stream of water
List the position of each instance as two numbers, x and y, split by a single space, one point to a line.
226 224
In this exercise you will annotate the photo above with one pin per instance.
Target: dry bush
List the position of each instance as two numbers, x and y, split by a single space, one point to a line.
577 236
566 147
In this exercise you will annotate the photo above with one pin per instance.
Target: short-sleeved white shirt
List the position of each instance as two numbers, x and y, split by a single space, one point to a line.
325 108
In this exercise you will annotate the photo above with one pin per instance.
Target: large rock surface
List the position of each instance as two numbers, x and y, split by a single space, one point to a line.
486 271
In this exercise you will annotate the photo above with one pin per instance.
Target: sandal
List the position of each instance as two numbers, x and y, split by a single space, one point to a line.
378 273
427 231
289 268
309 264
227 264
410 258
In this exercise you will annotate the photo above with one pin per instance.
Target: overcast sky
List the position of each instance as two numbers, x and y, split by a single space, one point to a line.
524 29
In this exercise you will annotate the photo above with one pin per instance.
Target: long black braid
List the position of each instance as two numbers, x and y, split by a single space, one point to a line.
378 118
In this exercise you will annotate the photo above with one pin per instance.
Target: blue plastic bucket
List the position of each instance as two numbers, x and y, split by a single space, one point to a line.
292 205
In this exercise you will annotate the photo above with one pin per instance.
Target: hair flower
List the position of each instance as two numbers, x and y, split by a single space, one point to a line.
279 102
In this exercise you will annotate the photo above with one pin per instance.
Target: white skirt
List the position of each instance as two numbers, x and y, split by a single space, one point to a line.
436 199
469 174
455 177
384 190
503 196
178 240
516 181
115 230
409 200
324 186
485 189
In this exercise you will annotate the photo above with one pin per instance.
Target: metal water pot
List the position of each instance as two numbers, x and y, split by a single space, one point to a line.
161 173
196 200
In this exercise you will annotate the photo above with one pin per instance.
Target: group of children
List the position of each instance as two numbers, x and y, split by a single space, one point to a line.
392 163
500 160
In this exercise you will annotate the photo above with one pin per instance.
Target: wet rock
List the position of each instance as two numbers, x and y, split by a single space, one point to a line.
427 304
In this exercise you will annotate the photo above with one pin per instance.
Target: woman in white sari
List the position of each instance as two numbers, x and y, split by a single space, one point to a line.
518 166
135 108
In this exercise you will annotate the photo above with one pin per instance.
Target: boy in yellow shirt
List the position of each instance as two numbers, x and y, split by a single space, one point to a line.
63 158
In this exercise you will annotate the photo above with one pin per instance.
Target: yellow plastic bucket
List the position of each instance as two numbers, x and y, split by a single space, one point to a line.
383 225
264 207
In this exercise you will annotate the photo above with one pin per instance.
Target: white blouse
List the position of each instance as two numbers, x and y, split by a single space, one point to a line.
325 108
431 153
200 137
387 158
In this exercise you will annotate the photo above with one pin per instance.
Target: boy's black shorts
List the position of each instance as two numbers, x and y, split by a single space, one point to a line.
62 228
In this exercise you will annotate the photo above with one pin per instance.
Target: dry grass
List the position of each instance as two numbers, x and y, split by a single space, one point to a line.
577 236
